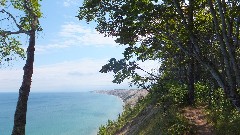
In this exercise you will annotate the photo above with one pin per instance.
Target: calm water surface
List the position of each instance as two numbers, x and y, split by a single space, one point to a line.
61 113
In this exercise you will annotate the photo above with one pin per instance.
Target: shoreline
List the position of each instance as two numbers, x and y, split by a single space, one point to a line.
129 97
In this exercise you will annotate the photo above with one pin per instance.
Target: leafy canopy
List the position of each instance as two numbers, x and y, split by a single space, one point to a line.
15 23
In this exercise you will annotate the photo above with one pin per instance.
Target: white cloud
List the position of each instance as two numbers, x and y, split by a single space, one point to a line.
149 66
10 79
78 75
68 3
73 34
84 36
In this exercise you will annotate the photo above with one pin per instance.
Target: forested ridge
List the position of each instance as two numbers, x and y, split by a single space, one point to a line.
196 43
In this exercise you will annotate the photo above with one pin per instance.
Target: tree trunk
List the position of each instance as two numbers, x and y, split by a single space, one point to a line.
191 82
21 109
191 59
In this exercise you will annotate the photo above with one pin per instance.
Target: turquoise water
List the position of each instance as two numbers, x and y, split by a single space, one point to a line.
61 113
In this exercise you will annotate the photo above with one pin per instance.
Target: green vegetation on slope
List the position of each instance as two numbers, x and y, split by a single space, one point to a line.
162 113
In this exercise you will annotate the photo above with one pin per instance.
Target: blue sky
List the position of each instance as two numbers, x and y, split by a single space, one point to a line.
69 54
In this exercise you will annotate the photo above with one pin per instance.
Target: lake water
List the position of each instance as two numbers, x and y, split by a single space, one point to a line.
61 113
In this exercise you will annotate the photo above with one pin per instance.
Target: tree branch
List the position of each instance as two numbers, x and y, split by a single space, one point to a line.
10 15
222 44
227 41
147 72
179 45
237 32
4 33
186 25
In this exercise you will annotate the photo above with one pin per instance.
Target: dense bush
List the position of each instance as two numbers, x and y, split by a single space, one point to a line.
221 113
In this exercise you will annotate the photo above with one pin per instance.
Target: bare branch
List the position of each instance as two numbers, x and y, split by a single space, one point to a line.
4 33
10 15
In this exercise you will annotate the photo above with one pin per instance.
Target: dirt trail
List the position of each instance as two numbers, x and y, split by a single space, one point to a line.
197 117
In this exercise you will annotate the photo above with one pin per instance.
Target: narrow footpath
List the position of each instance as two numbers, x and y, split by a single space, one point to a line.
197 117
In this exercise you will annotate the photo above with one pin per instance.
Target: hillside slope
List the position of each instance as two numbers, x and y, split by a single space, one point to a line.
147 117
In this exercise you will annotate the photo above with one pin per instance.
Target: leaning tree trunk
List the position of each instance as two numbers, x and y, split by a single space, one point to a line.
21 109
231 78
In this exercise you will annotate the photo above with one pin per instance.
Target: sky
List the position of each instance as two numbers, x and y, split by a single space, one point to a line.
69 54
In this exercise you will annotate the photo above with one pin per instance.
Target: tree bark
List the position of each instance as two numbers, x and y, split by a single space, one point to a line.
21 109
191 82
191 58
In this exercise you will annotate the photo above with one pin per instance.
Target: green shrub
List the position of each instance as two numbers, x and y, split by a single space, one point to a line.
223 115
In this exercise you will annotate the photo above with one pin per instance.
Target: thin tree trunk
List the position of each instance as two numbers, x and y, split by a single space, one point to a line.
229 45
230 78
227 83
191 82
21 109
191 60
